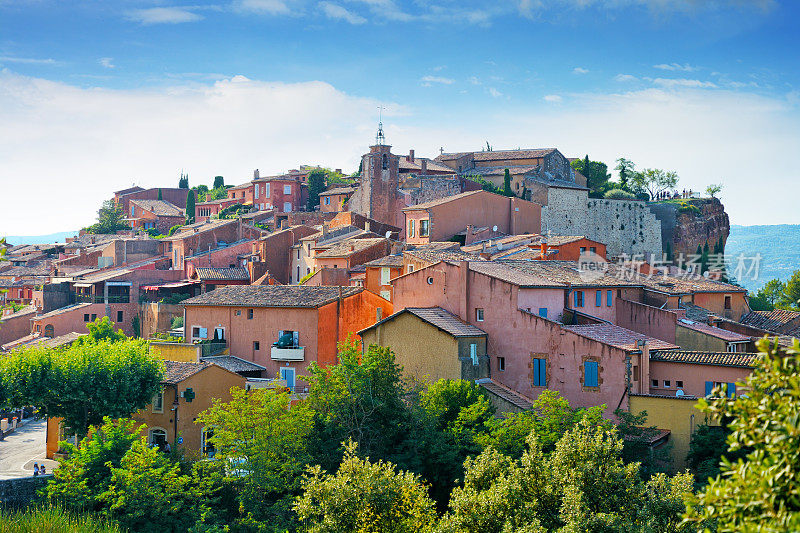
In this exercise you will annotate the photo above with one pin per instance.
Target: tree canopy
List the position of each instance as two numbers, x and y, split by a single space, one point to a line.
109 219
316 185
83 383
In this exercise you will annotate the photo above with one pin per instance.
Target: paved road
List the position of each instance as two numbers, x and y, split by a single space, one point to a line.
22 448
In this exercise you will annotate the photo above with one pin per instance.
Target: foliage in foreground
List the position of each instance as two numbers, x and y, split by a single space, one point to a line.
53 520
760 492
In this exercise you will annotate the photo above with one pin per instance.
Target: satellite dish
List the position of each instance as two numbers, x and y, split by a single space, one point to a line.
388 234
494 228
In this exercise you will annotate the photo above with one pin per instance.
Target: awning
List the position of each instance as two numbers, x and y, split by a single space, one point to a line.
170 285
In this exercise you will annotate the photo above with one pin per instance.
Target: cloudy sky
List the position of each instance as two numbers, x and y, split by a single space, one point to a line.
99 94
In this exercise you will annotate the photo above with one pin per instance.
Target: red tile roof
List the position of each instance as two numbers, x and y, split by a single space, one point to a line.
619 337
714 331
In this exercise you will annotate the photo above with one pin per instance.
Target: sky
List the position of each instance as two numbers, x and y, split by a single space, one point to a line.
98 95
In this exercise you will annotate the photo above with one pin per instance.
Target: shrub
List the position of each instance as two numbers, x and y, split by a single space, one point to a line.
619 194
53 520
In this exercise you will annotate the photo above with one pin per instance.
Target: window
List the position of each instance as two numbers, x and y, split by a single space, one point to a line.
479 314
119 316
287 374
543 312
327 200
635 372
609 298
207 442
583 250
679 383
501 364
593 249
86 317
256 346
249 314
219 334
385 163
238 312
667 383
158 402
266 190
430 280
257 187
94 317
287 207
590 374
290 339
411 268
727 301
157 437
410 228
578 298
539 372
287 189
731 347
385 274
49 331
655 383
424 228
598 299
386 295
473 353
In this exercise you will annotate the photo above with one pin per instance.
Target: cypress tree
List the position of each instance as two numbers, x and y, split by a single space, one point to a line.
159 195
507 183
190 207
585 171
219 182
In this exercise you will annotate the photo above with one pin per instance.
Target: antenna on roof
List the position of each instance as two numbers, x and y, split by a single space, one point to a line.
380 138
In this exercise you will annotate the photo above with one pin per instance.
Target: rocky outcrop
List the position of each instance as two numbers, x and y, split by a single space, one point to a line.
687 224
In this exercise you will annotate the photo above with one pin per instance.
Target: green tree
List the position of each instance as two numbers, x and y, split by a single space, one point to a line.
366 497
790 297
655 181
773 291
507 184
109 219
706 449
217 193
626 169
762 491
190 207
86 472
148 493
101 330
596 173
636 438
714 189
619 194
173 230
183 182
84 383
316 185
264 443
219 182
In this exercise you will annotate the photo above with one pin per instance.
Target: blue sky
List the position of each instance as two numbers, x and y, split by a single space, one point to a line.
104 94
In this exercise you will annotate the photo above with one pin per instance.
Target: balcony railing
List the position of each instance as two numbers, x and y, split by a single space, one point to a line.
88 298
296 353
209 349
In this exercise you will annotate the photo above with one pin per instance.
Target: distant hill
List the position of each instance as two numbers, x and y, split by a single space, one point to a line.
40 239
778 245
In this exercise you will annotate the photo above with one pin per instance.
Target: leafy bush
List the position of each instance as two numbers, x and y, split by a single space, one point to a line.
174 229
619 194
53 520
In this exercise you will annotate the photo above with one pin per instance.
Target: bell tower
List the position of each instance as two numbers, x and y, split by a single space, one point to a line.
378 197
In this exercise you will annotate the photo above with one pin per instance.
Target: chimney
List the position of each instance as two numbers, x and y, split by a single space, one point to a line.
352 247
544 248
424 166
256 174
366 225
410 157
324 230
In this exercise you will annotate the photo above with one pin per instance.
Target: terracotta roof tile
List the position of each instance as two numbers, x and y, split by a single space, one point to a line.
338 190
549 273
272 296
705 358
496 155
233 363
446 199
446 321
161 208
394 261
177 371
618 336
776 320
714 331
351 246
514 398
211 274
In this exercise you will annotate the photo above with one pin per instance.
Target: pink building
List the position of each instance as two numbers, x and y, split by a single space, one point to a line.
205 210
284 194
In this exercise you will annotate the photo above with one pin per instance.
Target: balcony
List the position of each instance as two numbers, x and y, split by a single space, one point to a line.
88 298
296 353
209 349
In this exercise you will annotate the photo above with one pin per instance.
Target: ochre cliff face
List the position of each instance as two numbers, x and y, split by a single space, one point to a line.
683 230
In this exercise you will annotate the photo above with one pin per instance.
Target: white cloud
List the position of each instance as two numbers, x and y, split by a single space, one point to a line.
265 7
625 77
495 93
337 12
580 70
28 60
553 99
107 62
474 80
676 66
683 82
163 15
428 80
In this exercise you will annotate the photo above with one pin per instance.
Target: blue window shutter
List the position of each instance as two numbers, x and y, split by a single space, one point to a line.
609 298
535 372
709 387
590 374
542 372
731 390
598 300
543 312
575 299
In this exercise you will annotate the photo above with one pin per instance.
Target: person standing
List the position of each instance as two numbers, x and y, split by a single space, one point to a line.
35 469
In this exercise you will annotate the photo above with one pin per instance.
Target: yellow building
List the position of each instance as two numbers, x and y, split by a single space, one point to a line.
431 344
678 414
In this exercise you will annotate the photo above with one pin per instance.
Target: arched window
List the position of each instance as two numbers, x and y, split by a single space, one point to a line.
157 437
49 331
385 161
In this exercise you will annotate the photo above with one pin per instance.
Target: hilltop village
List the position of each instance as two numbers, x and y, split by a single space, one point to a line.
543 287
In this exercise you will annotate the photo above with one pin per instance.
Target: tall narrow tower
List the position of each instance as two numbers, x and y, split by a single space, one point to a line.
378 196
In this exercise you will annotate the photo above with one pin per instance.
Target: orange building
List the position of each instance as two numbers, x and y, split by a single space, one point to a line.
380 273
250 320
333 200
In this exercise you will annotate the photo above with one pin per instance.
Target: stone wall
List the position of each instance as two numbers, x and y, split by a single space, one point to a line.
157 318
19 492
626 227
